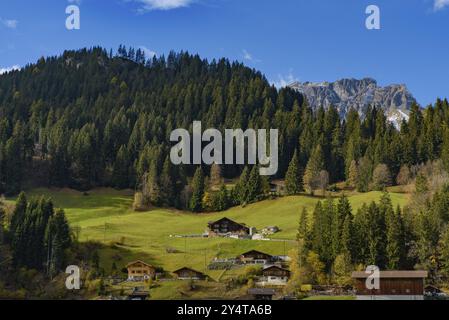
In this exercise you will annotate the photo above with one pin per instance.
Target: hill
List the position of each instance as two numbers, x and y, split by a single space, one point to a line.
106 216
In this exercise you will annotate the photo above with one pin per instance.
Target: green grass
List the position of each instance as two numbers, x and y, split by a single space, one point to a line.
105 215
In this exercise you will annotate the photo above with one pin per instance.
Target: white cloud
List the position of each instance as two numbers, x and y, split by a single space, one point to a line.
285 80
440 4
9 69
249 57
148 52
11 24
150 5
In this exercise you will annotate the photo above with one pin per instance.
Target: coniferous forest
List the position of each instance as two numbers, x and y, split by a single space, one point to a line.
96 118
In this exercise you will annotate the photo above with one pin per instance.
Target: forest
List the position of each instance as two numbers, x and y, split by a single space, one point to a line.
92 118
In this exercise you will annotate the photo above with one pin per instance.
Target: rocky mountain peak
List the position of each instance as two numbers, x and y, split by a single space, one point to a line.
345 94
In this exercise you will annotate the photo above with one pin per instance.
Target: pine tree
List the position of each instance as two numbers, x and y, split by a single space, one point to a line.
444 252
167 184
120 174
353 174
197 191
254 185
293 178
313 169
241 189
18 214
395 240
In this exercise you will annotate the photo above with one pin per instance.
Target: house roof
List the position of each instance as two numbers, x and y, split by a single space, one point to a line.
139 261
275 267
255 251
393 274
262 291
186 268
227 219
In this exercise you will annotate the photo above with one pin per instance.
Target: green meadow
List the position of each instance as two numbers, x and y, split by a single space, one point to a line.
106 216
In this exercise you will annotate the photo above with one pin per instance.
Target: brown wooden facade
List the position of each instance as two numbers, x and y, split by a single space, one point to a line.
189 274
227 226
392 283
255 256
139 270
275 271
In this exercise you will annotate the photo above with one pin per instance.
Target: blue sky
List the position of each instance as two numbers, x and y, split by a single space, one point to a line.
306 40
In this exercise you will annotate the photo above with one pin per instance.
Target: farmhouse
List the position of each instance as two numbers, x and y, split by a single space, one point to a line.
394 285
255 257
226 226
139 271
189 274
274 275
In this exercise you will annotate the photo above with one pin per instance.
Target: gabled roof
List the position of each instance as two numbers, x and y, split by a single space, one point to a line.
190 269
275 267
393 275
257 252
139 261
227 219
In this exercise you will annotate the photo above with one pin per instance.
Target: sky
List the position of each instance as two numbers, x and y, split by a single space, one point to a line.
287 40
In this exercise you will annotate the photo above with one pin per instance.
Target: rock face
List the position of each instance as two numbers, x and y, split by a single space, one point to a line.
345 94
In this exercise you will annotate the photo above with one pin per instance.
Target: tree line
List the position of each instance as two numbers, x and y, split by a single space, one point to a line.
38 235
333 241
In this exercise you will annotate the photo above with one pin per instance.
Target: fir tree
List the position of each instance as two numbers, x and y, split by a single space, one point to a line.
197 191
293 178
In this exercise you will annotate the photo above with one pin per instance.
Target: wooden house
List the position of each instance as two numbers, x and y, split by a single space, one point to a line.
255 257
189 274
140 271
275 275
138 294
226 226
393 285
262 294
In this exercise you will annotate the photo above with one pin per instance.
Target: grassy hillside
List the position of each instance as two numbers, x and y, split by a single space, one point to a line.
105 215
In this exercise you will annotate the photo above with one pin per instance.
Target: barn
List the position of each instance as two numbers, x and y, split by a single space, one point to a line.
393 285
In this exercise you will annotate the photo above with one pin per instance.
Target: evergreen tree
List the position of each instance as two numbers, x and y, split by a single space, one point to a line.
18 214
198 191
293 178
313 169
167 181
254 185
353 174
395 240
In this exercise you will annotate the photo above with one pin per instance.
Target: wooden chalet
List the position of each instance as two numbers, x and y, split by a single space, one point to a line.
255 257
189 274
226 226
276 275
140 271
394 285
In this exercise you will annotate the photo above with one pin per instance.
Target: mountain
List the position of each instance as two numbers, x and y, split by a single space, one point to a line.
345 94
